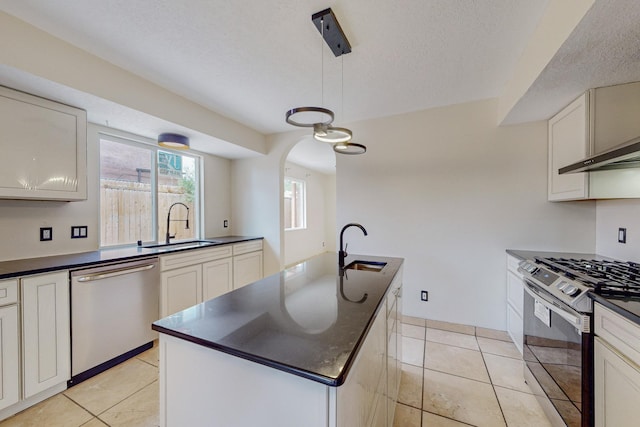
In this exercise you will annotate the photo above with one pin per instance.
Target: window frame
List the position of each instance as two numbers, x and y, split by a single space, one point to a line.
141 142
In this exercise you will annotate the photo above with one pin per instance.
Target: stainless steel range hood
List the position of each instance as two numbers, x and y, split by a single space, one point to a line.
623 156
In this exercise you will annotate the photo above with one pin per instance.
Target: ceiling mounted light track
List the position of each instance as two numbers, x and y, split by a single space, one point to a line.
320 118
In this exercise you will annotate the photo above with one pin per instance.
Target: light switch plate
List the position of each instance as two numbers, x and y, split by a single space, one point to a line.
78 231
622 235
46 234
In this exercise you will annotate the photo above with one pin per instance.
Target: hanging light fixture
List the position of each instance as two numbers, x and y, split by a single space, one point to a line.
173 140
320 118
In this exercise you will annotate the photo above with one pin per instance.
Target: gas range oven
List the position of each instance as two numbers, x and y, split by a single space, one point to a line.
558 343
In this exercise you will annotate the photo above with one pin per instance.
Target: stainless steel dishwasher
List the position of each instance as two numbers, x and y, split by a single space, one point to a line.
112 308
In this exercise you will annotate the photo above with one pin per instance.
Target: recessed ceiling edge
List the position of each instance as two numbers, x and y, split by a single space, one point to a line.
332 32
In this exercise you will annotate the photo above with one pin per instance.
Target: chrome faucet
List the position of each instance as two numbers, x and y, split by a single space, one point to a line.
169 236
343 250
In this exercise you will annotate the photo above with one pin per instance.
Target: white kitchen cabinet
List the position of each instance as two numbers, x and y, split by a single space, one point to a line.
247 263
394 345
191 277
181 288
44 148
9 344
617 369
598 120
217 278
515 302
45 332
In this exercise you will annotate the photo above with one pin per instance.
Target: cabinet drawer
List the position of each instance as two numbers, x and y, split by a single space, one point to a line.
621 333
186 258
246 247
8 292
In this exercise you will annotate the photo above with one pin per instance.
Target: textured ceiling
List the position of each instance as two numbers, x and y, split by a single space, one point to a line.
252 61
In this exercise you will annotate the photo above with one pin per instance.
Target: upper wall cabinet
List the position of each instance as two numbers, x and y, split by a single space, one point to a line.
44 148
598 120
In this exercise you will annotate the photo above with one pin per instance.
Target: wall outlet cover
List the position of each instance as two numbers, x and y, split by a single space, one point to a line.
622 235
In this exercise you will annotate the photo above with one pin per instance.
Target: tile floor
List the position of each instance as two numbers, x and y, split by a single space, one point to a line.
452 375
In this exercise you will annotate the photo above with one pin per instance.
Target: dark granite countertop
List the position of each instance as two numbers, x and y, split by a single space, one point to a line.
626 307
307 320
22 267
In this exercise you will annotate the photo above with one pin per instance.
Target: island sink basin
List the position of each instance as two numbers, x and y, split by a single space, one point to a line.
365 265
188 243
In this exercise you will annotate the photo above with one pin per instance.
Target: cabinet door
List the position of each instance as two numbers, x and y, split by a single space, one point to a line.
9 357
217 278
180 288
617 388
515 327
46 332
247 268
568 143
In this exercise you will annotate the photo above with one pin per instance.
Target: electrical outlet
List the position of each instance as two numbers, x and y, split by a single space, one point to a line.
424 296
78 231
225 223
46 234
622 235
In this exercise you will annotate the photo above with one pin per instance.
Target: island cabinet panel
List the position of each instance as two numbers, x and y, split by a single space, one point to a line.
200 387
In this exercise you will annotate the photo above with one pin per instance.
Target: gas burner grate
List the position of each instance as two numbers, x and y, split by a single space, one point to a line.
606 277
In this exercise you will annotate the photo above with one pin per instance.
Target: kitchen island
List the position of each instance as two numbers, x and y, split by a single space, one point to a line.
309 346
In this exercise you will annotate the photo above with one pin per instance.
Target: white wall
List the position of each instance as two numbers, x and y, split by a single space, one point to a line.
449 191
20 220
614 214
316 238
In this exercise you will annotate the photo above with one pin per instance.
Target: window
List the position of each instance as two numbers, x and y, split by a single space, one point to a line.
138 184
295 204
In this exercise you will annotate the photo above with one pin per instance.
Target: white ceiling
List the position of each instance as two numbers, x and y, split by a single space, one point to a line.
252 61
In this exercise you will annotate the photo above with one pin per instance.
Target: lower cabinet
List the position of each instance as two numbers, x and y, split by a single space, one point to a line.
617 369
515 301
42 366
9 356
191 277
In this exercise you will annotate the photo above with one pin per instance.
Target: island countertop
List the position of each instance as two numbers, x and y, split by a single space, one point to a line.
308 320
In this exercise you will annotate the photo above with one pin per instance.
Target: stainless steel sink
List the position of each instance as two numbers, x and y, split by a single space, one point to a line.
366 265
185 244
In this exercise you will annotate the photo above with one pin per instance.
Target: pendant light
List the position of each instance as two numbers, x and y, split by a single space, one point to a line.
320 118
173 140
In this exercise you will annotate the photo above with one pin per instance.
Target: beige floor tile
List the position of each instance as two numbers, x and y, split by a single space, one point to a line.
95 422
412 351
506 372
452 338
493 334
521 409
409 320
411 386
111 387
433 420
461 399
406 416
57 411
455 360
140 410
413 331
452 327
500 348
151 356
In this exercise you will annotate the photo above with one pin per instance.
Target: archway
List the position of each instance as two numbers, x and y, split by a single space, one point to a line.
309 203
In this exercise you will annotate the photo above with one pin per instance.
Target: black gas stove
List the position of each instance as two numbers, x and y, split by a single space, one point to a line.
608 278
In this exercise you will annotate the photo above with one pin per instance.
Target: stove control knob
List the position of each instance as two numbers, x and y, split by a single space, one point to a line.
562 285
570 290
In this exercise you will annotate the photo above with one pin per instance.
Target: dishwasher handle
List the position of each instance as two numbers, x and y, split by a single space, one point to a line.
116 272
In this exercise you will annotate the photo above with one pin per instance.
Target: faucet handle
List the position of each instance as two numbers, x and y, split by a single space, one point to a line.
345 249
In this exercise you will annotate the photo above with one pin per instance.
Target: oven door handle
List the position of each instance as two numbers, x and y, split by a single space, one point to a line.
576 321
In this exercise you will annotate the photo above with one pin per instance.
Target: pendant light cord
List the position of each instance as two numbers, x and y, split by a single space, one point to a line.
321 63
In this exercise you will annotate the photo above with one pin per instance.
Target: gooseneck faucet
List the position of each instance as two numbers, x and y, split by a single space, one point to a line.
343 249
169 236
